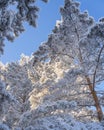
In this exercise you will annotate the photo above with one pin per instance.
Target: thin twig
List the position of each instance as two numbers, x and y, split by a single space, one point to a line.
94 77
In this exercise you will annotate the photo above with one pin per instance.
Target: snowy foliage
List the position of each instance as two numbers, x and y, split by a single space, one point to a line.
4 127
13 13
56 122
55 88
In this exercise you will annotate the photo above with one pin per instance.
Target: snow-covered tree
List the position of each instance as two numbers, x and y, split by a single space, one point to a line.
8 104
78 42
57 88
13 13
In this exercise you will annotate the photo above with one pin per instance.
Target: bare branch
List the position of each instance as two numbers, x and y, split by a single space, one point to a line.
94 77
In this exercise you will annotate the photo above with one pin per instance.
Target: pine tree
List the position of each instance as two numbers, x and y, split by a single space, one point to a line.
78 42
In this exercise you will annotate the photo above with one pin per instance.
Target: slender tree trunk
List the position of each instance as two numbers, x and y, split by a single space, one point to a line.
91 87
95 98
93 92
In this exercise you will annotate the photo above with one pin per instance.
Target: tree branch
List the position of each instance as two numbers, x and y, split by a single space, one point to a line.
98 60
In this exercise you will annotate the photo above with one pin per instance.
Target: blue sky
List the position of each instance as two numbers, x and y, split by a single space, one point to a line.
29 41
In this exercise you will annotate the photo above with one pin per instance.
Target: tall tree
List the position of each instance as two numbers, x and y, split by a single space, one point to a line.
79 40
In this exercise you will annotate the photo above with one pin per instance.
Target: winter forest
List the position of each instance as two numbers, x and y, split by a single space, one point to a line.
60 86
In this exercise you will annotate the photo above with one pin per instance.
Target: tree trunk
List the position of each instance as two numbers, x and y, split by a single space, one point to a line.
95 98
91 87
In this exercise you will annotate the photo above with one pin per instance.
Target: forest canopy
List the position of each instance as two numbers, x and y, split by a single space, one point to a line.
57 88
